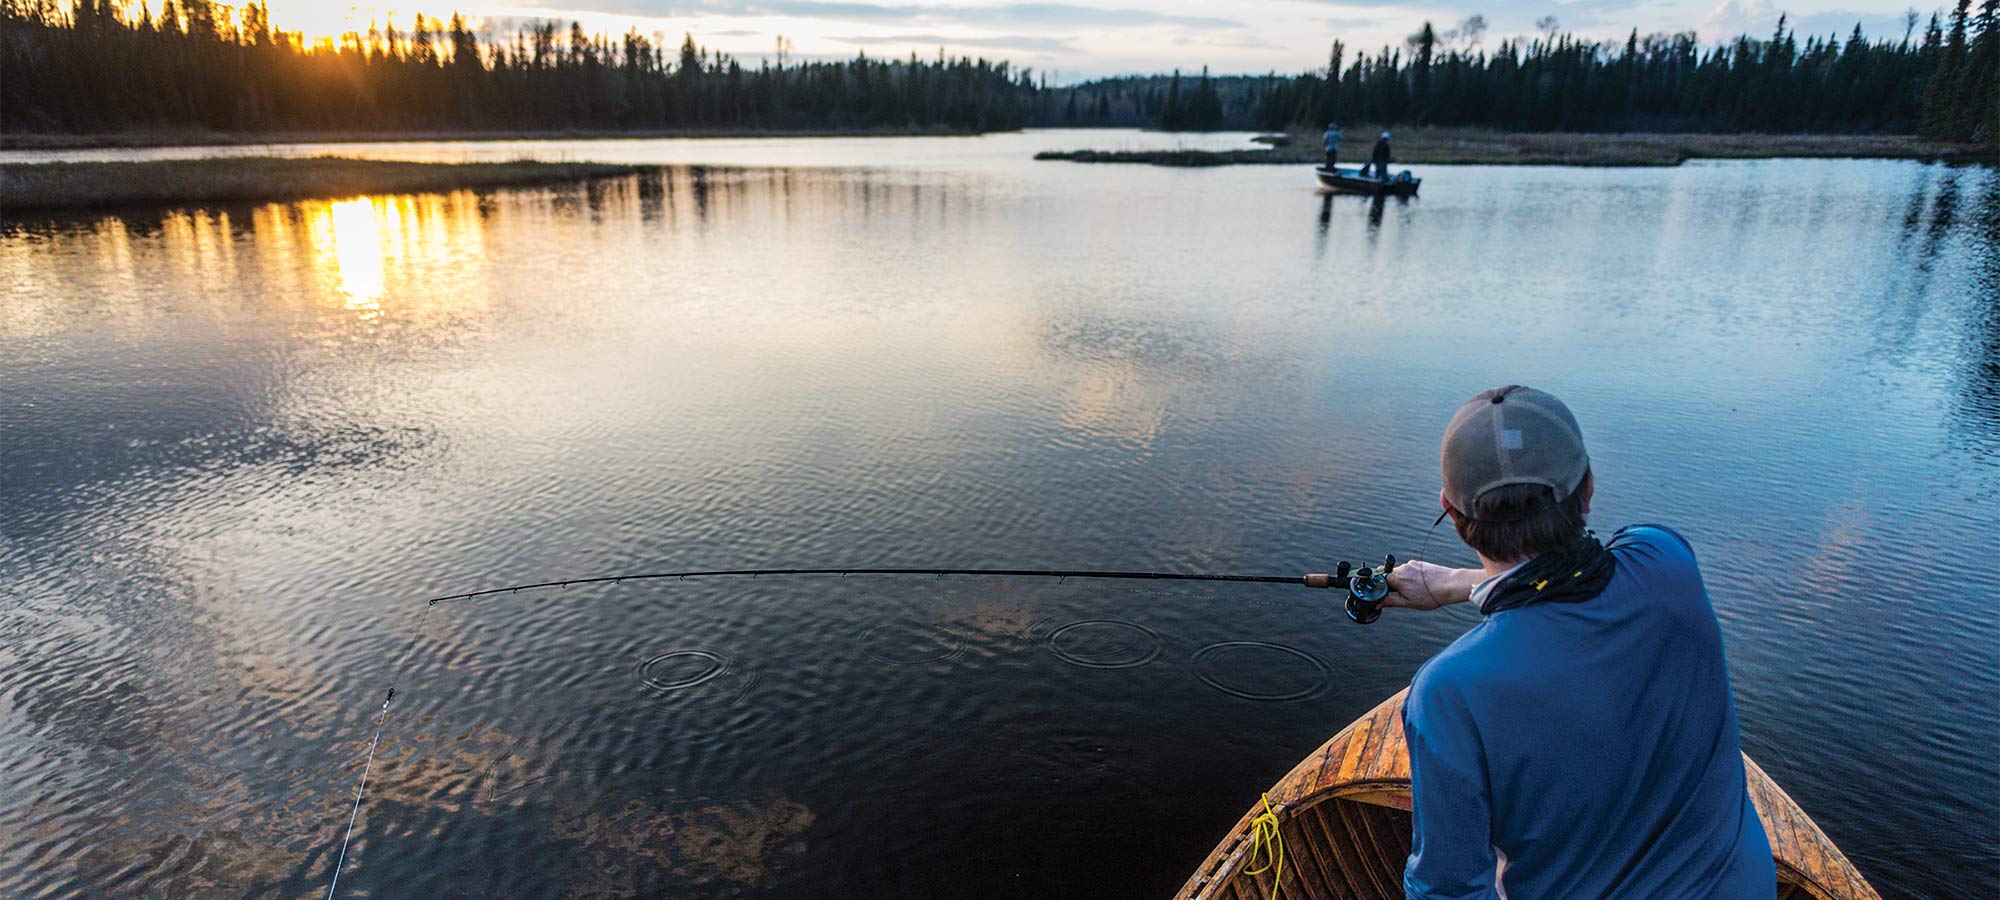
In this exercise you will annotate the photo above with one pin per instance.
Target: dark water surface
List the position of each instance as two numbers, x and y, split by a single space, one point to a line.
237 444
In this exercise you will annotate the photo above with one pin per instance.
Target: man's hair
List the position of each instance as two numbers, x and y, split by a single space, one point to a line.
1519 521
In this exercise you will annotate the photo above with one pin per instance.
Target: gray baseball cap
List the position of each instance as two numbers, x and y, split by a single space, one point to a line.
1511 435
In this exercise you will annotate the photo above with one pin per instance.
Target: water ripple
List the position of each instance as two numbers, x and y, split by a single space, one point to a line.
1284 673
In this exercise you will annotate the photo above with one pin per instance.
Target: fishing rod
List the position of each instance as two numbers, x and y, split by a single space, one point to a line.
1366 587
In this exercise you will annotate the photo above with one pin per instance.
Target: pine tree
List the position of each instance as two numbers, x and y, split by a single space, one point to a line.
1205 111
200 16
1424 44
1941 101
1328 101
464 46
1976 95
1170 117
257 23
422 52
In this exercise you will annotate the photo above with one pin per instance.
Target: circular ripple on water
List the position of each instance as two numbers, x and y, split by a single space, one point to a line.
1104 644
900 644
694 676
1206 666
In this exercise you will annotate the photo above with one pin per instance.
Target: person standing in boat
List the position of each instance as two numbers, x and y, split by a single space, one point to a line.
1581 740
1379 160
1332 141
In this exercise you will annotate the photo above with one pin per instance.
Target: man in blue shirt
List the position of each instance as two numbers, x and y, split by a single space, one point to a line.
1581 740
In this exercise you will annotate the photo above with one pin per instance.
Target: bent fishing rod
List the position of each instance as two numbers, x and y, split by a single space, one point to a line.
1366 588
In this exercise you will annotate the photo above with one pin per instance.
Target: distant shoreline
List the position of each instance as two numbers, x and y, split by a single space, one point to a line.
1440 146
83 186
196 138
75 187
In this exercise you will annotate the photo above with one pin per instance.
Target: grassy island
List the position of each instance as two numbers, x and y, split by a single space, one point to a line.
75 186
194 137
1434 146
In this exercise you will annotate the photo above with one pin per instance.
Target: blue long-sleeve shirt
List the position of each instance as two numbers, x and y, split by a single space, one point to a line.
1593 746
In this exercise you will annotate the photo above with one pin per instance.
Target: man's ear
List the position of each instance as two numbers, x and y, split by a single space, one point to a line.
1588 490
1444 503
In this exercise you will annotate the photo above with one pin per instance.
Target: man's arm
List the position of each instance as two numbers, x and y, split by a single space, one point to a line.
1451 819
1422 585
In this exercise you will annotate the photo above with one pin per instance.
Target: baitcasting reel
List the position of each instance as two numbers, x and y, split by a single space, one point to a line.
1366 588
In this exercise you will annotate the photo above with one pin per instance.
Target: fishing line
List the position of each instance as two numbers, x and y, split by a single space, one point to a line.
1315 580
1424 552
381 720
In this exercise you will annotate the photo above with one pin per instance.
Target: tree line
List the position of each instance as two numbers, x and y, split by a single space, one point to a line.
1944 83
104 66
112 66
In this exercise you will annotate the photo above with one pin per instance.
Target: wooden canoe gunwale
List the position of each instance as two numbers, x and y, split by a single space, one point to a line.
1367 764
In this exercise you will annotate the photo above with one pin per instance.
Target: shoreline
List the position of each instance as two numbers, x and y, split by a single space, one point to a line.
45 188
196 138
56 187
1438 146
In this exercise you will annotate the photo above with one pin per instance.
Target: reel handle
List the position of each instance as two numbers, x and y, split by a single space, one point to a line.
1366 588
1366 591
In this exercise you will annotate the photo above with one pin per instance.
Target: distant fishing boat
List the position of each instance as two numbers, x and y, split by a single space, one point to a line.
1353 182
1343 816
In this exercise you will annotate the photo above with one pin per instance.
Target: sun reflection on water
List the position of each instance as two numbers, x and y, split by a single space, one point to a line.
348 240
386 269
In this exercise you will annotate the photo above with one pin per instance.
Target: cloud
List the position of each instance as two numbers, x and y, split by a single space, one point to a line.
1339 23
1758 18
1877 26
1734 17
1003 41
1041 14
1035 15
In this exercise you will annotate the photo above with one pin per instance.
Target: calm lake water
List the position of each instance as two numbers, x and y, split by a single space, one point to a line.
239 445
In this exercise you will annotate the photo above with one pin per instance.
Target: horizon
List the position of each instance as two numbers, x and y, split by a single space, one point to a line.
1071 42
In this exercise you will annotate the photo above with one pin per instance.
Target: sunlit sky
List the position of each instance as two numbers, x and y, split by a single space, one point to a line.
1074 39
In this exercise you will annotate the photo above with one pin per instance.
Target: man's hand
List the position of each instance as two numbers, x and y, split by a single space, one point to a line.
1422 585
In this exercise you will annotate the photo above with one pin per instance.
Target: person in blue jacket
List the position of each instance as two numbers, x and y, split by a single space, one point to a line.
1581 740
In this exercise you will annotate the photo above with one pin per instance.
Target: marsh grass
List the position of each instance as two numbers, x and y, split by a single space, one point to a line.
70 186
1435 146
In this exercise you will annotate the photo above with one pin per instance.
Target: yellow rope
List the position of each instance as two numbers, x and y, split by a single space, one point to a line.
1264 835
